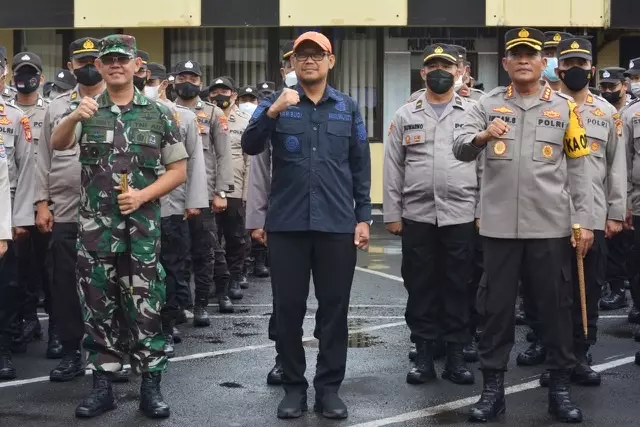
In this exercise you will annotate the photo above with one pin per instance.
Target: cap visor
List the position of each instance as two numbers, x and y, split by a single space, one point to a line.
116 50
531 45
580 55
25 64
609 80
631 73
321 44
435 56
63 85
195 73
84 55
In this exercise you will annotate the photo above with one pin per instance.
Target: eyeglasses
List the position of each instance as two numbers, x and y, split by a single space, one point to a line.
317 57
113 60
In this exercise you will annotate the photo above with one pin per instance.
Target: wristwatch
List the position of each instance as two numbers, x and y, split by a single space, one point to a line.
221 194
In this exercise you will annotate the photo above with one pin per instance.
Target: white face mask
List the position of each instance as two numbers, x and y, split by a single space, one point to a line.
458 83
151 92
248 107
290 80
635 89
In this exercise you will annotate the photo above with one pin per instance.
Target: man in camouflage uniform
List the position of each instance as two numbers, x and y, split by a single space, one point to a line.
122 136
16 150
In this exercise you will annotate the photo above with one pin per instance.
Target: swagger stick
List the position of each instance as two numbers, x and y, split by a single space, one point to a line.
582 287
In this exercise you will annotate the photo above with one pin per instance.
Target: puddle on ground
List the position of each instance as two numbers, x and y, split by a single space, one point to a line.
231 385
357 340
246 334
244 324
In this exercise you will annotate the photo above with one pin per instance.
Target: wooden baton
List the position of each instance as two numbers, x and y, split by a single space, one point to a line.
581 284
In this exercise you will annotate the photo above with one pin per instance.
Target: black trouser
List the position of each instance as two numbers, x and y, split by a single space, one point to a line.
594 272
65 302
436 268
173 253
11 293
545 264
475 321
231 226
34 273
331 258
617 268
529 306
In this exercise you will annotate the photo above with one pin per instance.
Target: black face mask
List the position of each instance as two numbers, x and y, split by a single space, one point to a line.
88 75
575 78
27 82
439 81
222 101
139 82
187 90
171 93
612 97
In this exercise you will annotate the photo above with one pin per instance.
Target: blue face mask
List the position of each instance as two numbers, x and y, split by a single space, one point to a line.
549 73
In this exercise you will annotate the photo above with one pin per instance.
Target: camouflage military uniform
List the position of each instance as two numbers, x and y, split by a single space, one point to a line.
140 137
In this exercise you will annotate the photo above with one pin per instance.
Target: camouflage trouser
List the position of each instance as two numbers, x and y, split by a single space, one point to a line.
103 286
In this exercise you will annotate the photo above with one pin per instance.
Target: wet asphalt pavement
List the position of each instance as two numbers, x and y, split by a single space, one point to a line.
219 375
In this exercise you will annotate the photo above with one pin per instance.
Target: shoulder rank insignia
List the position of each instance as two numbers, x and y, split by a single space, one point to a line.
509 93
176 117
546 96
74 95
24 121
4 121
618 121
458 101
552 114
1 109
224 123
598 112
390 128
589 99
419 104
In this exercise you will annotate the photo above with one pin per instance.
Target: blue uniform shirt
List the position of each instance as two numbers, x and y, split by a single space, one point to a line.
321 167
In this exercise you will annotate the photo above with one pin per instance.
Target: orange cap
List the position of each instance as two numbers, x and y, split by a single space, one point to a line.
319 39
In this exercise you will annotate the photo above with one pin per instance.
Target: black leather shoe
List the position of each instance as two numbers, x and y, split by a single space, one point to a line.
200 316
70 367
7 371
545 379
54 345
455 369
533 356
293 405
582 373
491 403
177 338
413 353
560 404
274 377
151 402
470 352
225 305
614 301
122 376
100 400
634 315
423 370
259 268
244 281
332 407
235 293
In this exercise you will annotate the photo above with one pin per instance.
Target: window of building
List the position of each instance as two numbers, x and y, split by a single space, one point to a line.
246 51
195 44
47 44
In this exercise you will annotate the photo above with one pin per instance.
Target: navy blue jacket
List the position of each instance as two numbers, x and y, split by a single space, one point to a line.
321 166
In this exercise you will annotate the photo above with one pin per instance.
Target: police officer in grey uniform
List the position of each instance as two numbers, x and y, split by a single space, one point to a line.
534 144
28 76
231 221
214 132
430 200
57 197
6 92
607 168
16 141
186 201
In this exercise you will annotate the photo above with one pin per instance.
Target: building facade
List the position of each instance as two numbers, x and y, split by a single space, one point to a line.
378 43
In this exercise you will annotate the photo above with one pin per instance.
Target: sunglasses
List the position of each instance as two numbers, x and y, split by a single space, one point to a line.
116 59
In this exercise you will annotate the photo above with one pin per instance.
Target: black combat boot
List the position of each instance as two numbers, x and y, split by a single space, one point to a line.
151 402
423 370
200 315
54 345
175 333
70 366
235 293
413 353
244 277
100 400
331 406
167 331
534 355
545 379
259 268
455 369
7 371
470 352
293 405
274 377
616 299
582 373
122 376
560 404
491 403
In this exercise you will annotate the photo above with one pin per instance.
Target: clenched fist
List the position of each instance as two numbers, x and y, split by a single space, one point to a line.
287 98
496 130
86 109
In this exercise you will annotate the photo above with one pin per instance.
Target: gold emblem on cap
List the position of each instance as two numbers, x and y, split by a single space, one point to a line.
575 45
547 151
499 148
88 44
438 49
557 37
523 33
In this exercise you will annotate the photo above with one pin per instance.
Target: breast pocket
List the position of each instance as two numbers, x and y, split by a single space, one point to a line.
290 140
598 137
66 153
548 145
144 147
339 134
500 149
415 144
95 146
